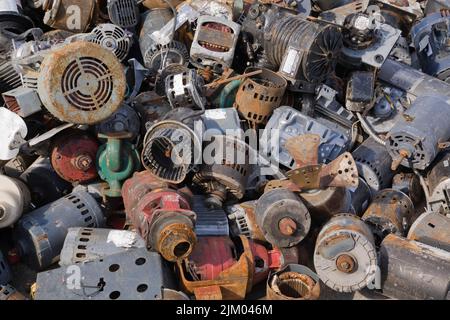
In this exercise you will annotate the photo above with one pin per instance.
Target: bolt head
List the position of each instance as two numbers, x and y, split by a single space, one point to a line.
287 226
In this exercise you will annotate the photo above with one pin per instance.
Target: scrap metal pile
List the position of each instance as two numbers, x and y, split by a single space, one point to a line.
225 149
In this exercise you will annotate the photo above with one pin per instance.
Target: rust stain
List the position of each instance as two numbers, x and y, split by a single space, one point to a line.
292 286
232 284
259 95
102 93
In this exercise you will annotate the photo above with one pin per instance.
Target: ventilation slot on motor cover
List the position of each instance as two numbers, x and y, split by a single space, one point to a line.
87 84
81 247
9 78
113 38
124 13
82 208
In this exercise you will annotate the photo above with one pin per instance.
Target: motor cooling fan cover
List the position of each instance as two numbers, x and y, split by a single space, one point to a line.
113 38
81 83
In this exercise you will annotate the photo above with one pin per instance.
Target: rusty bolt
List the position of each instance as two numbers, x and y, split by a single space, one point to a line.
345 263
82 162
287 226
402 155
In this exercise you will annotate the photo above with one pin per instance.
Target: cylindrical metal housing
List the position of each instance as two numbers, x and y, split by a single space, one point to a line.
113 38
411 80
81 82
259 95
124 13
13 22
210 221
243 221
431 41
39 236
154 54
374 164
185 89
71 15
433 229
214 256
125 119
325 203
161 215
361 197
409 184
413 142
319 43
345 258
214 43
88 244
225 170
412 270
44 183
211 256
293 282
73 157
14 200
438 181
391 211
171 146
283 218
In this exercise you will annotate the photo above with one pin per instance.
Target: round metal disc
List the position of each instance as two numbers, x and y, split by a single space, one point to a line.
11 201
81 83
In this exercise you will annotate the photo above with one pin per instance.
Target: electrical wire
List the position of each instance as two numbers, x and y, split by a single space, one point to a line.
354 135
367 129
424 187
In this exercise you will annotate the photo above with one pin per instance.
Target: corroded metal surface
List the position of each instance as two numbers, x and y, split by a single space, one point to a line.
391 211
283 218
73 157
406 263
71 15
304 149
294 282
162 215
259 95
81 83
345 257
231 284
431 228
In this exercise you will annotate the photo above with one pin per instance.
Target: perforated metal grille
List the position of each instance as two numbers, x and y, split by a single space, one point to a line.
398 142
123 13
87 84
113 38
83 209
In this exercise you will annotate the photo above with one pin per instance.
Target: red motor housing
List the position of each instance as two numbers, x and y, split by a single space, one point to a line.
161 215
212 255
73 157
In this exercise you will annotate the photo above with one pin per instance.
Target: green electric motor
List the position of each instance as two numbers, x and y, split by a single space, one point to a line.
117 159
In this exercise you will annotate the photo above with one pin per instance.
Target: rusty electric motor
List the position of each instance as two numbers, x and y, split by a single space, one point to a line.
162 215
